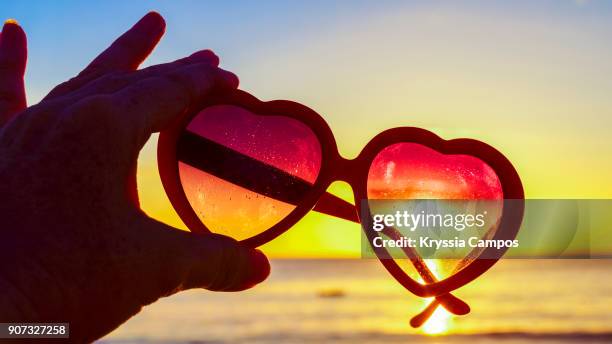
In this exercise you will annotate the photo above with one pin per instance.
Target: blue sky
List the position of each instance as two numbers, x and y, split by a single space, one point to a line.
65 35
531 78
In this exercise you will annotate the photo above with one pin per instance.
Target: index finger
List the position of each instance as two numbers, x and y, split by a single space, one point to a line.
126 53
131 48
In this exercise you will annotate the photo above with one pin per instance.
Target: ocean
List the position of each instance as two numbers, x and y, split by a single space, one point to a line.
357 301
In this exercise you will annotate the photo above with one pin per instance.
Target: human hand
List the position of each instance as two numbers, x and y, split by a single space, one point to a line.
75 247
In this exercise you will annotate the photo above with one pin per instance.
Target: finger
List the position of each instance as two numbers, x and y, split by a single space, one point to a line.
202 56
13 56
131 48
181 260
155 102
220 263
125 53
113 82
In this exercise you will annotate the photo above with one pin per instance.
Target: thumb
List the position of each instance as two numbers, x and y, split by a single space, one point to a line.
179 260
220 263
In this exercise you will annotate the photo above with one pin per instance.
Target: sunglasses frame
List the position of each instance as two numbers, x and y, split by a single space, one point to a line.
354 172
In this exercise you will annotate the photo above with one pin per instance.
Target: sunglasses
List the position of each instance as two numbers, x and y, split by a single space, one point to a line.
249 169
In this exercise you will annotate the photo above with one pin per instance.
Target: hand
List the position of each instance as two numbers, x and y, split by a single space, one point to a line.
74 245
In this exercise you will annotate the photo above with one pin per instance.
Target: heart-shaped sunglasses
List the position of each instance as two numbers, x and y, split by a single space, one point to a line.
250 169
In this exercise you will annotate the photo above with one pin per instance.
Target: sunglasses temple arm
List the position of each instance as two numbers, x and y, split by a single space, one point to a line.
422 317
332 205
426 313
452 303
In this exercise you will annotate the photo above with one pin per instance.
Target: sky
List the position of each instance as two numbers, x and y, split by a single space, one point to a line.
529 78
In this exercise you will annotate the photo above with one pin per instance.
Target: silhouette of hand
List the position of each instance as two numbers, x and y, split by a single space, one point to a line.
74 245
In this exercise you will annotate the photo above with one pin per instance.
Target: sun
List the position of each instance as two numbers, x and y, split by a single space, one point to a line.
438 323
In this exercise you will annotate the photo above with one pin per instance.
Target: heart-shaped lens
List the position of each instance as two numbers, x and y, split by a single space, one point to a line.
242 173
417 178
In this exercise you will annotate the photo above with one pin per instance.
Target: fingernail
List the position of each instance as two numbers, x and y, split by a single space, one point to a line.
230 78
260 267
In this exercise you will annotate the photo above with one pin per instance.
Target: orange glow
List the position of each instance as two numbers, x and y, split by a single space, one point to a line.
229 209
439 322
413 171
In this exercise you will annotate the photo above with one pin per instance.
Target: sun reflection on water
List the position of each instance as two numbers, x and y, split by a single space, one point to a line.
440 320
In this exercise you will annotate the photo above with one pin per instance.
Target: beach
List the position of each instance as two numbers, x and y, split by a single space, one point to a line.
357 301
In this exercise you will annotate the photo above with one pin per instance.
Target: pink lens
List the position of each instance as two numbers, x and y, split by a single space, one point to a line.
413 171
410 171
243 173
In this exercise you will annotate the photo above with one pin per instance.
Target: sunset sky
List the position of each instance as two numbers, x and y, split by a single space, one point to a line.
530 78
